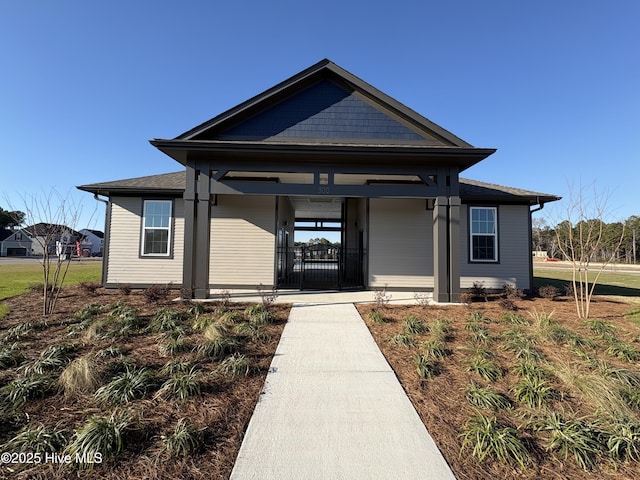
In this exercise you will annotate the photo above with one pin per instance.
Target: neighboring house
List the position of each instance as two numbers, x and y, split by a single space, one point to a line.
14 243
93 240
47 235
321 148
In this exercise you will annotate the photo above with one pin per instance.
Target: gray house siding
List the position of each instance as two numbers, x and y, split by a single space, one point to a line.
513 251
123 264
242 233
400 244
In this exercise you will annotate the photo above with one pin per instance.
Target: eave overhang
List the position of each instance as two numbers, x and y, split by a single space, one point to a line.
184 151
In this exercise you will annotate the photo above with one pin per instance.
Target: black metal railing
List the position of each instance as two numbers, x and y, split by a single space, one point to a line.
320 267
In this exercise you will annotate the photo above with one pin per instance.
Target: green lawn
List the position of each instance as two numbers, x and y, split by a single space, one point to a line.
609 283
16 279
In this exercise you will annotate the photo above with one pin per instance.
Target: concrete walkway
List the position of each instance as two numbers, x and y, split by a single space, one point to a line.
332 408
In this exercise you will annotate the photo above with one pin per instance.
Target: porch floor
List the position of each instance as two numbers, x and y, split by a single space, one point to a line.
332 408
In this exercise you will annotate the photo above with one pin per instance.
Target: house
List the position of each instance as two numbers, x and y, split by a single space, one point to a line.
52 237
14 243
92 242
321 150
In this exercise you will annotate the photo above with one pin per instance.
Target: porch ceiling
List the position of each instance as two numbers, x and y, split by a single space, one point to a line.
322 208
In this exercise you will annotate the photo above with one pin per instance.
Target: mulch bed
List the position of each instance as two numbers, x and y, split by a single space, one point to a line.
441 401
221 412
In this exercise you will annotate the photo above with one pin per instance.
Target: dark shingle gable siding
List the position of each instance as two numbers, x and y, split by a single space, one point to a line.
323 111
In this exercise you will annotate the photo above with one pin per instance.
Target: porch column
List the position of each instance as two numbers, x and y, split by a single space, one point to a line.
454 249
440 250
201 237
188 259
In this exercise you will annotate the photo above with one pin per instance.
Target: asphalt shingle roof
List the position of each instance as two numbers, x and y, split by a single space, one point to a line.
173 183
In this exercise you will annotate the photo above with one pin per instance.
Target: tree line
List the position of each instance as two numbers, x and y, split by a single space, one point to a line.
619 241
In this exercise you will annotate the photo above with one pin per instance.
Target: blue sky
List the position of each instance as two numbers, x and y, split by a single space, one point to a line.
554 86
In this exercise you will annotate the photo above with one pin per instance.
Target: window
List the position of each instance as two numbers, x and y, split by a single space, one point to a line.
484 234
156 227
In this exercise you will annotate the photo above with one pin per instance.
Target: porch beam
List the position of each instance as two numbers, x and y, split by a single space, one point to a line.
230 187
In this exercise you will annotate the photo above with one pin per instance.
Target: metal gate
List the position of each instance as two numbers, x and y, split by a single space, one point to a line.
320 267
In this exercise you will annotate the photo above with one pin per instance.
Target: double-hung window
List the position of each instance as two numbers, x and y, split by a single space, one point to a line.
483 230
156 228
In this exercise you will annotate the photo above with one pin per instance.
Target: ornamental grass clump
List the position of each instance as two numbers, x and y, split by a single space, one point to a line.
53 358
236 366
174 346
100 437
403 339
435 348
427 367
534 392
486 397
37 439
167 320
10 356
376 316
415 326
21 390
126 387
181 386
79 377
623 442
489 439
576 438
183 440
485 367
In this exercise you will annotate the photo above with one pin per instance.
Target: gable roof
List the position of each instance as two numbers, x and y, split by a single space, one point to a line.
5 233
318 95
174 183
323 110
43 229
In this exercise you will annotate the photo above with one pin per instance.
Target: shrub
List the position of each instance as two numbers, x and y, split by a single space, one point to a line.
508 304
126 387
100 435
510 291
236 366
479 291
548 291
268 297
181 386
124 289
90 288
37 440
381 297
422 299
486 397
183 440
489 439
79 377
156 293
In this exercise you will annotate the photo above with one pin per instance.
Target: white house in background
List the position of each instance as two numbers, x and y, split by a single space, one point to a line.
93 241
320 151
14 243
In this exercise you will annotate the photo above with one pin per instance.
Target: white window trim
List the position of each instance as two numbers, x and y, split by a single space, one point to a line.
494 235
144 229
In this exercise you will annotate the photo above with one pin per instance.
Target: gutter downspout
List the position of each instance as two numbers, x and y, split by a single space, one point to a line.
531 212
105 244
